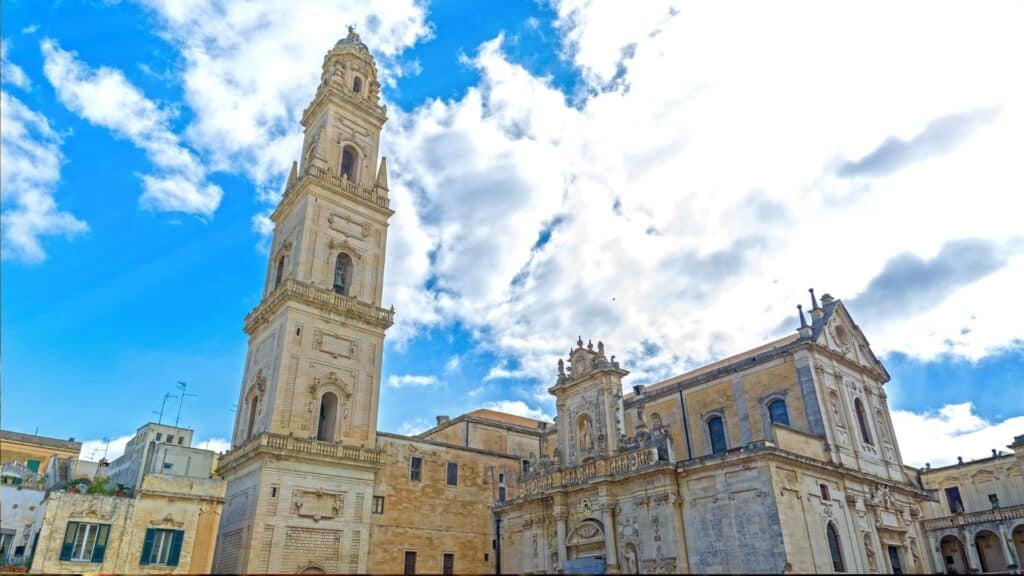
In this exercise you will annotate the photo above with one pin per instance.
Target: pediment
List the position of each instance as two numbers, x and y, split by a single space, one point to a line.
841 335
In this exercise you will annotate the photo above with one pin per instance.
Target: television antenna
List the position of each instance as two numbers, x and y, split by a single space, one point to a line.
182 386
167 395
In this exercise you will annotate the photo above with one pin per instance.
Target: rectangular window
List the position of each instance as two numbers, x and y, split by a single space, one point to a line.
159 435
410 562
273 491
415 469
161 547
181 440
993 499
824 492
501 493
378 504
170 438
526 467
84 542
453 474
168 465
32 465
956 505
448 564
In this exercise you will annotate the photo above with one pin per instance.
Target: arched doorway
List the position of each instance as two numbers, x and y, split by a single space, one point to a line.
990 551
328 417
954 556
585 548
1018 543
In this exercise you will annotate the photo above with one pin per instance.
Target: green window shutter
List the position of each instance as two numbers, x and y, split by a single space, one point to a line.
147 546
175 553
100 549
32 465
69 541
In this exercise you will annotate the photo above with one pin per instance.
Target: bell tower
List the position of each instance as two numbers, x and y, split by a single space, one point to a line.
301 467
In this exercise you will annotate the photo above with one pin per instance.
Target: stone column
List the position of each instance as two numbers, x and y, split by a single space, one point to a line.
610 549
1012 562
560 515
937 559
973 562
682 560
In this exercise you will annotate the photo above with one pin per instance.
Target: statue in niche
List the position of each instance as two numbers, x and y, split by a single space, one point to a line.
586 434
869 550
632 564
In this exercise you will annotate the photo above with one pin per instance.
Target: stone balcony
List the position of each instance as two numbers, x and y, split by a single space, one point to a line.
605 468
280 444
327 178
320 298
993 515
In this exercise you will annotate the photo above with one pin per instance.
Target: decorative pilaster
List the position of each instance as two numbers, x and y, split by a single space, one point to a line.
560 516
610 549
682 563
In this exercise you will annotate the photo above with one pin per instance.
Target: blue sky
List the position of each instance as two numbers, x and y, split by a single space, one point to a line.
667 179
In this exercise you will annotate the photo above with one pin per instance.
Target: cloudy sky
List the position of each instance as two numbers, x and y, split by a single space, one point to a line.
667 177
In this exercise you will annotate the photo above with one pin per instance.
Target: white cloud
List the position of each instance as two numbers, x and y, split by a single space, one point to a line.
219 445
104 97
691 193
414 381
453 364
10 72
94 450
413 427
30 161
954 430
518 408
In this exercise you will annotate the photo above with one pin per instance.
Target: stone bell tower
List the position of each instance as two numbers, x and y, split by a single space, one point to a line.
588 396
301 467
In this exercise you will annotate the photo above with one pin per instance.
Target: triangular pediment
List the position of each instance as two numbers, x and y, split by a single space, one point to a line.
841 334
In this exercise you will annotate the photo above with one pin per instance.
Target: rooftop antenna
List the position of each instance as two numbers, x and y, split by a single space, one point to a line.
181 386
106 447
162 404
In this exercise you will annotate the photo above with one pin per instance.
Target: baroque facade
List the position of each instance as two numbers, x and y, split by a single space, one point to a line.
780 459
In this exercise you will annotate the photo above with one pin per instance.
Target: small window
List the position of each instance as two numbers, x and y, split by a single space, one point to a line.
168 465
716 434
415 468
410 563
862 421
526 467
159 436
448 564
824 492
993 499
501 493
273 491
956 505
170 438
501 478
181 440
453 474
777 412
378 504
357 85
280 272
161 547
84 542
342 273
834 549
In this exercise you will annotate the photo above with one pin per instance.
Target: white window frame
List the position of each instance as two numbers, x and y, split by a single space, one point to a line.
78 552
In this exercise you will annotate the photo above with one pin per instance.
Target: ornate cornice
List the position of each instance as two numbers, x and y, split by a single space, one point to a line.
374 198
321 298
292 447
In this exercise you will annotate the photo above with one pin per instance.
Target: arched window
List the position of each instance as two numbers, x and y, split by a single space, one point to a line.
862 421
279 275
834 549
716 433
777 412
253 404
349 163
343 274
357 85
328 417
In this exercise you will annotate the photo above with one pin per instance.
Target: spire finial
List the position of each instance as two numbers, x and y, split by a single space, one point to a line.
590 344
814 301
579 341
803 320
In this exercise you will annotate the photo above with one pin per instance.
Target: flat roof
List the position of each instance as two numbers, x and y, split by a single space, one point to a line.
69 445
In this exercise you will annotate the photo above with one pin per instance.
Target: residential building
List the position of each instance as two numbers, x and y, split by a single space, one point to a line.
34 451
138 457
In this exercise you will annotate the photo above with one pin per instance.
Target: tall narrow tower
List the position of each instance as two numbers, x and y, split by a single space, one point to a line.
300 470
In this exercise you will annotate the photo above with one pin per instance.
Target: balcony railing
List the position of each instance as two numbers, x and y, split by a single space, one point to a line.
326 300
618 465
993 515
331 450
329 178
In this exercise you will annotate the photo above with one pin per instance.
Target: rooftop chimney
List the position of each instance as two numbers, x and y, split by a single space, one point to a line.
959 459
442 420
638 389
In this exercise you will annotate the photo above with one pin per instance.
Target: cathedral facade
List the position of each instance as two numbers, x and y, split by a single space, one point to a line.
780 459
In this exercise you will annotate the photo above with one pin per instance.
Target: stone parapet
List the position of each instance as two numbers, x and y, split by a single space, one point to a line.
617 465
323 299
956 520
291 446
